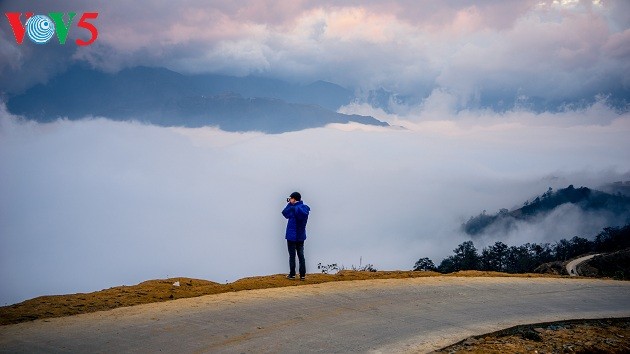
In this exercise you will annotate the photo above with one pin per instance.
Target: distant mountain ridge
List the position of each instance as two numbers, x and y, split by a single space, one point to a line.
583 197
163 97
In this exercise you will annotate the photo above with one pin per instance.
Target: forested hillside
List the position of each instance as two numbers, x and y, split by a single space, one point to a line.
584 198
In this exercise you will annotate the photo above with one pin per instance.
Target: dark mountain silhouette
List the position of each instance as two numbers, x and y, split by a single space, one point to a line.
164 97
583 197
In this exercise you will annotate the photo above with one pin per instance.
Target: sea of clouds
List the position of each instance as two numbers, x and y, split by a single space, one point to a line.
86 205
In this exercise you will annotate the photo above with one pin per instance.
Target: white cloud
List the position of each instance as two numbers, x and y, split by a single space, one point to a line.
91 204
541 50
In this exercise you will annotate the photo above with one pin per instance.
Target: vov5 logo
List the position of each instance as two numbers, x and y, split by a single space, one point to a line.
40 28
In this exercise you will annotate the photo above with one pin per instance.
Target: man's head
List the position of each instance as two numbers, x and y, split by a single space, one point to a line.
295 197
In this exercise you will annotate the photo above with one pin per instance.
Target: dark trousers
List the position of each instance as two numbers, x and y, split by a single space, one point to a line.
296 247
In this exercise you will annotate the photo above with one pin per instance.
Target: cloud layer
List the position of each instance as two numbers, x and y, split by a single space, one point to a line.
91 204
488 50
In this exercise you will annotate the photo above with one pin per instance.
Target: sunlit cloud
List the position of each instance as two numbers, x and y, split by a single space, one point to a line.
544 49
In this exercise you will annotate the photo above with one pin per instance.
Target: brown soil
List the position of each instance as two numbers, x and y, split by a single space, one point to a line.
578 336
604 336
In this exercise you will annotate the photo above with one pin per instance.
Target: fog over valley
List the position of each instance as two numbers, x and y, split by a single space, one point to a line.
95 203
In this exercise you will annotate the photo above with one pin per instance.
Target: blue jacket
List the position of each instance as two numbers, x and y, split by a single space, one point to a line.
297 215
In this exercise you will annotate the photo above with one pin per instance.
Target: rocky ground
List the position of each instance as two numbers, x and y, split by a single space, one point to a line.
601 336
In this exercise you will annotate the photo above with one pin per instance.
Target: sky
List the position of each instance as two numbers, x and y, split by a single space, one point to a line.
90 204
563 50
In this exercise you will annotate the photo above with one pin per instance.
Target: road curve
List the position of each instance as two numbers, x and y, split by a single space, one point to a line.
389 315
572 266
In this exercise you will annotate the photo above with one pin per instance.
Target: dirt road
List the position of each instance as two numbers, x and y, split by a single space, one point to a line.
572 266
398 315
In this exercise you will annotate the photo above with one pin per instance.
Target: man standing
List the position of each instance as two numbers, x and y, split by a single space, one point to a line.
296 212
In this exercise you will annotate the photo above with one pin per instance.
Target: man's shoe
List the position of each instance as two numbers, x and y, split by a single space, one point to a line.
302 278
291 277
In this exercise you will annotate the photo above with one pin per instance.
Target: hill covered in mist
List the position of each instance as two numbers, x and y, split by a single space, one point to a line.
615 207
163 97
